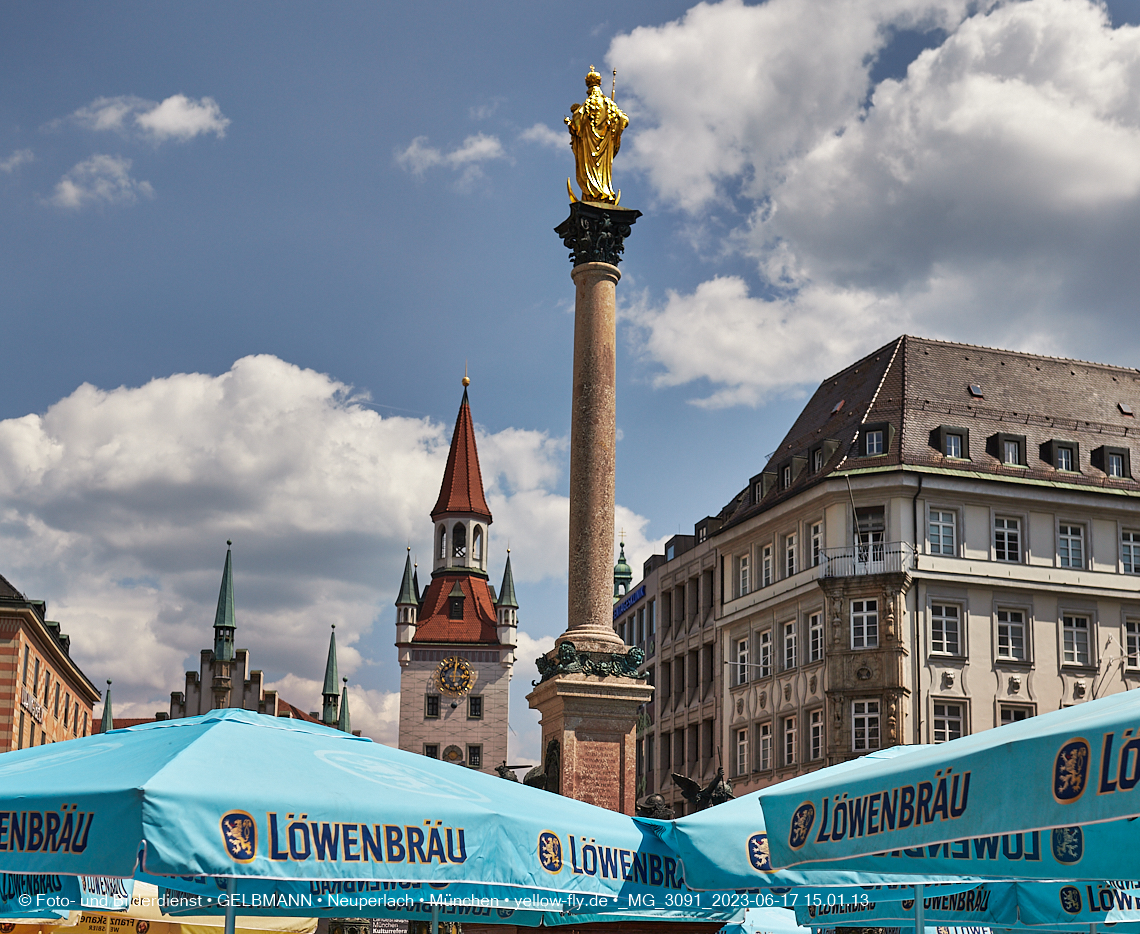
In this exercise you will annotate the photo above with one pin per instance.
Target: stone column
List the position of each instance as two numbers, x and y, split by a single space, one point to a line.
590 689
592 442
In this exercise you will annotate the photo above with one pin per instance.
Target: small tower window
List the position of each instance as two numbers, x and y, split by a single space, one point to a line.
459 541
477 544
441 547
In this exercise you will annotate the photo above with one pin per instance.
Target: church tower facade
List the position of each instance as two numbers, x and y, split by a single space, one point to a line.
456 641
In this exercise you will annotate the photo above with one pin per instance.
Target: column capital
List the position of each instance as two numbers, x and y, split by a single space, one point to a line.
595 233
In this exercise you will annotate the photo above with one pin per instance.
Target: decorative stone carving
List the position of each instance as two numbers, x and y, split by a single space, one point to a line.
892 719
1079 688
549 775
718 791
504 772
889 617
947 680
763 699
740 705
655 807
787 692
1014 684
570 661
596 234
864 673
812 684
837 623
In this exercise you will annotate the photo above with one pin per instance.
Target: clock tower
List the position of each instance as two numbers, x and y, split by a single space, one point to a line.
456 641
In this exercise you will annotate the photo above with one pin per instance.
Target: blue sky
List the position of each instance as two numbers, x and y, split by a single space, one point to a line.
357 200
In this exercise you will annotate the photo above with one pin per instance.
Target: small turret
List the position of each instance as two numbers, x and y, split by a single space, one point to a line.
407 604
108 723
623 574
344 723
506 610
331 691
224 617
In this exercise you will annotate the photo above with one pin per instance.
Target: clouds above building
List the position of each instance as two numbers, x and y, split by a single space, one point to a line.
116 505
990 192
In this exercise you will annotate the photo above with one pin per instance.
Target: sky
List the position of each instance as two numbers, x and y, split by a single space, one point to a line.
247 252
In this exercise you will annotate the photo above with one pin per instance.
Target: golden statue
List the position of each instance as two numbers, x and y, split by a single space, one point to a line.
596 126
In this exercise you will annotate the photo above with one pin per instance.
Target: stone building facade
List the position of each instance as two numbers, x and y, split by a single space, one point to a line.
44 695
456 640
947 539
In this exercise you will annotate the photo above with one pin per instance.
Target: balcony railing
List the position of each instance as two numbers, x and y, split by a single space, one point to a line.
864 559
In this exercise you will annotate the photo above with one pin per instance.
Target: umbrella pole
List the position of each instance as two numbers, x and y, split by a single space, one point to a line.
231 911
434 920
919 913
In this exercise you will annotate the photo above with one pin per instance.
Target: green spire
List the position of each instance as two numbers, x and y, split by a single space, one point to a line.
507 591
330 692
108 723
344 724
407 595
224 617
623 574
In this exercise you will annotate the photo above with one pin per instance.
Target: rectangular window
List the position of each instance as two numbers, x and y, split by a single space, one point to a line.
765 653
743 582
789 741
815 637
475 757
1075 635
870 526
85 723
766 566
1011 453
1064 462
35 679
1011 634
947 722
787 477
943 540
1007 539
27 653
816 544
431 706
864 624
865 725
1115 465
789 555
817 460
742 752
66 707
1130 552
1132 644
431 750
874 442
742 661
816 734
765 746
1013 714
21 743
55 706
945 629
1071 545
954 446
789 645
475 707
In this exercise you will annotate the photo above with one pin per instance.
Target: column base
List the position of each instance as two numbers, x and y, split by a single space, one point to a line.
589 736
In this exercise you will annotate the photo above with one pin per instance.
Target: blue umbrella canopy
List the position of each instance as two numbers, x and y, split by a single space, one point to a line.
1061 769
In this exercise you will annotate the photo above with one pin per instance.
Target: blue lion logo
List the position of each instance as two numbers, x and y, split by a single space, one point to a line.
550 851
1071 899
505 912
802 820
239 834
1071 770
1068 844
758 852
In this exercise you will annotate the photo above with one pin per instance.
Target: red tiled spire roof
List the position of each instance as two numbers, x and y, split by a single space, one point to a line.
462 489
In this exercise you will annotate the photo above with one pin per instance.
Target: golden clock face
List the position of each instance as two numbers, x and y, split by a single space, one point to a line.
455 676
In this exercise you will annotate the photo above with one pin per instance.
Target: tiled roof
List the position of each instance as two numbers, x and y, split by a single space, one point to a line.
121 723
914 385
479 619
7 591
462 488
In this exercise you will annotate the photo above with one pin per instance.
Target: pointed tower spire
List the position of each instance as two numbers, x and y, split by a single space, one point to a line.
344 724
462 487
224 618
108 723
507 608
407 595
331 691
416 582
407 604
507 596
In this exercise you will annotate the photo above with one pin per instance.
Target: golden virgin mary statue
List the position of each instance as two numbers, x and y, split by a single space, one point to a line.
596 126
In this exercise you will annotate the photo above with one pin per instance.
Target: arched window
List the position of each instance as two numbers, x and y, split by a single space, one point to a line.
477 544
459 541
441 549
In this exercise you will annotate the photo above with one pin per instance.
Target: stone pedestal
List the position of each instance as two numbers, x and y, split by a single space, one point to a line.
592 723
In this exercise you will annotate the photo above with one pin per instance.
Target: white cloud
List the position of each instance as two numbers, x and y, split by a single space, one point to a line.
524 742
419 156
14 161
178 117
375 713
115 506
102 178
543 135
991 194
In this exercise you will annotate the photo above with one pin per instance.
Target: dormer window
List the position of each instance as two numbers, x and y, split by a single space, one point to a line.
954 446
455 602
787 473
1113 461
1008 449
817 460
459 541
874 443
876 439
